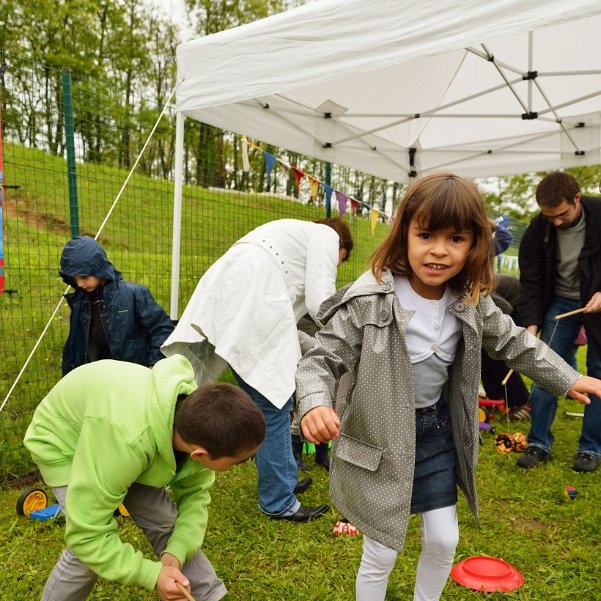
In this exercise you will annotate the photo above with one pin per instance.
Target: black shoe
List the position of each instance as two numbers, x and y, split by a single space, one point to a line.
585 462
297 451
533 456
304 514
302 485
321 456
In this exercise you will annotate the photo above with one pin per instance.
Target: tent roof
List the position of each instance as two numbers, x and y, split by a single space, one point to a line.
398 87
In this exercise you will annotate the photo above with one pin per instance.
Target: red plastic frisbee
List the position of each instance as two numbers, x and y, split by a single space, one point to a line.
487 574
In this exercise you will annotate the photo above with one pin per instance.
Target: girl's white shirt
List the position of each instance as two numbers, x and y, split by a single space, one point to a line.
432 329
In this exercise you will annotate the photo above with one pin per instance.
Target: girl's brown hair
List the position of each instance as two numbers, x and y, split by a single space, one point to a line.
438 202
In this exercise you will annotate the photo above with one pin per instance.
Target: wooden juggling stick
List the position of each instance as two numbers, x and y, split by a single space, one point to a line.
186 593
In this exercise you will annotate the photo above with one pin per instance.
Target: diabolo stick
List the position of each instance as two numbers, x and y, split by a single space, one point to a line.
562 315
186 593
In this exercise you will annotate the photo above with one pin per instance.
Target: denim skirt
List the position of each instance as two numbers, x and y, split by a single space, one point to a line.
434 483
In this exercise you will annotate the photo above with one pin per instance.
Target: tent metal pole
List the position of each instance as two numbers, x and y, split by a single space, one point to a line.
177 215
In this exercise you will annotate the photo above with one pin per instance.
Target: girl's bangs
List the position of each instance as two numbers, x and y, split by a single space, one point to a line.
446 211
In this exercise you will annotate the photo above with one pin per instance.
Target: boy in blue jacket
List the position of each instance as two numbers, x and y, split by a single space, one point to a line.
110 318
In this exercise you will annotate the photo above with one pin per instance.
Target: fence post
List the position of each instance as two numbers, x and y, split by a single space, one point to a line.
70 142
329 182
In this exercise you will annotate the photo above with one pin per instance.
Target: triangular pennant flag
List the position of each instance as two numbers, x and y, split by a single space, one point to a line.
313 187
373 218
328 190
342 200
269 163
298 174
245 161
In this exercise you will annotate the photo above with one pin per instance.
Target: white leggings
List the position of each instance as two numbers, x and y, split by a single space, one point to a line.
440 535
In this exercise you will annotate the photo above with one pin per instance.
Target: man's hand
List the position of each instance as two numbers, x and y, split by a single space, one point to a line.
320 425
584 385
594 305
169 576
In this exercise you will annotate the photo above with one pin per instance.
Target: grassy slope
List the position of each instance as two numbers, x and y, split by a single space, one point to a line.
137 237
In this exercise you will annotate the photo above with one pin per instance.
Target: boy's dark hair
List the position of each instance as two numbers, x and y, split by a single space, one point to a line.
556 187
221 418
343 231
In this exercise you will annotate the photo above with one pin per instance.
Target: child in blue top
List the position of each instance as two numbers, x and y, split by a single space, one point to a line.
110 318
410 333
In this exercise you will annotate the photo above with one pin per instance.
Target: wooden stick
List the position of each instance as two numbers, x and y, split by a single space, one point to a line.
186 593
506 378
570 313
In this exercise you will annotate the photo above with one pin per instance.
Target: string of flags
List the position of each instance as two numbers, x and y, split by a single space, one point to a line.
315 183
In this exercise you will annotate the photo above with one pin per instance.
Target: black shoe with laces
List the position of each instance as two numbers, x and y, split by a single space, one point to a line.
532 456
585 462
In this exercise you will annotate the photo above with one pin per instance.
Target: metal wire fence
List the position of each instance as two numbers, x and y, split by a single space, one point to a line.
68 145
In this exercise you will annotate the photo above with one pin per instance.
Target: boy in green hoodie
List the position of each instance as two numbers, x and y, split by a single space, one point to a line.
112 432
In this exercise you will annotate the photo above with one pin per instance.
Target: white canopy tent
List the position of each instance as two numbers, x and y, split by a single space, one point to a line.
403 88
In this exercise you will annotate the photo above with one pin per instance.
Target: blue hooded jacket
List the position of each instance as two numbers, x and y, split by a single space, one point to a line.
135 324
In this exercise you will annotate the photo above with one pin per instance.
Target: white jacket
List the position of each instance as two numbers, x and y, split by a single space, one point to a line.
249 301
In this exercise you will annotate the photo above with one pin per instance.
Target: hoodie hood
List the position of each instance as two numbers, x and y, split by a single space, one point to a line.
171 377
84 256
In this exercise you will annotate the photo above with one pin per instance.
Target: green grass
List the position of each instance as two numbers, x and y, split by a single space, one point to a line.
525 520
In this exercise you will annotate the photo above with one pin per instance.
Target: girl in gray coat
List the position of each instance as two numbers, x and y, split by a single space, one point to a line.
410 333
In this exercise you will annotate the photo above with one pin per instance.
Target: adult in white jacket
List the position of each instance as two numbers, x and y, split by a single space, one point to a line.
244 313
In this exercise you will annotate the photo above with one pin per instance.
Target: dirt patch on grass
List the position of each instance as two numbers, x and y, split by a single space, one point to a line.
20 207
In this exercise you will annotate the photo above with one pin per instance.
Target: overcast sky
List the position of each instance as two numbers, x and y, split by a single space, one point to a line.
176 10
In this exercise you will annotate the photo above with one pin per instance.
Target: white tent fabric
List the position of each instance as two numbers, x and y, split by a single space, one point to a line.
399 88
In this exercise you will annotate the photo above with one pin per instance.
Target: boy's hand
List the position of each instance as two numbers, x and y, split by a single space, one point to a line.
166 583
584 385
320 425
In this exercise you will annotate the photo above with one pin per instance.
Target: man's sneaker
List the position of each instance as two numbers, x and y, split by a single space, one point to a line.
519 414
532 456
585 462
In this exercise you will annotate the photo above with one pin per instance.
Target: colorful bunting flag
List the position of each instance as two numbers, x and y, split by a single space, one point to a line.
245 161
269 163
298 174
373 218
342 200
313 188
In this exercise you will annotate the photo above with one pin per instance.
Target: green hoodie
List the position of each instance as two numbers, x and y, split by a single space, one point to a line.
104 426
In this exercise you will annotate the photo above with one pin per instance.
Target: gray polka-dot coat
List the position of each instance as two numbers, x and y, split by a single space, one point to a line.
373 460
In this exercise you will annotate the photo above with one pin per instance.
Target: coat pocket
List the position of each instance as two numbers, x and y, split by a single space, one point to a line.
358 453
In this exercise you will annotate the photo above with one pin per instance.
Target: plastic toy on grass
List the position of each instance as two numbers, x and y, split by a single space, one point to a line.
505 443
344 527
486 412
33 503
487 574
570 493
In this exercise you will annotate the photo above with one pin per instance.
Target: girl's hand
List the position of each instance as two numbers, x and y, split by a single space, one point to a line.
320 425
584 385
